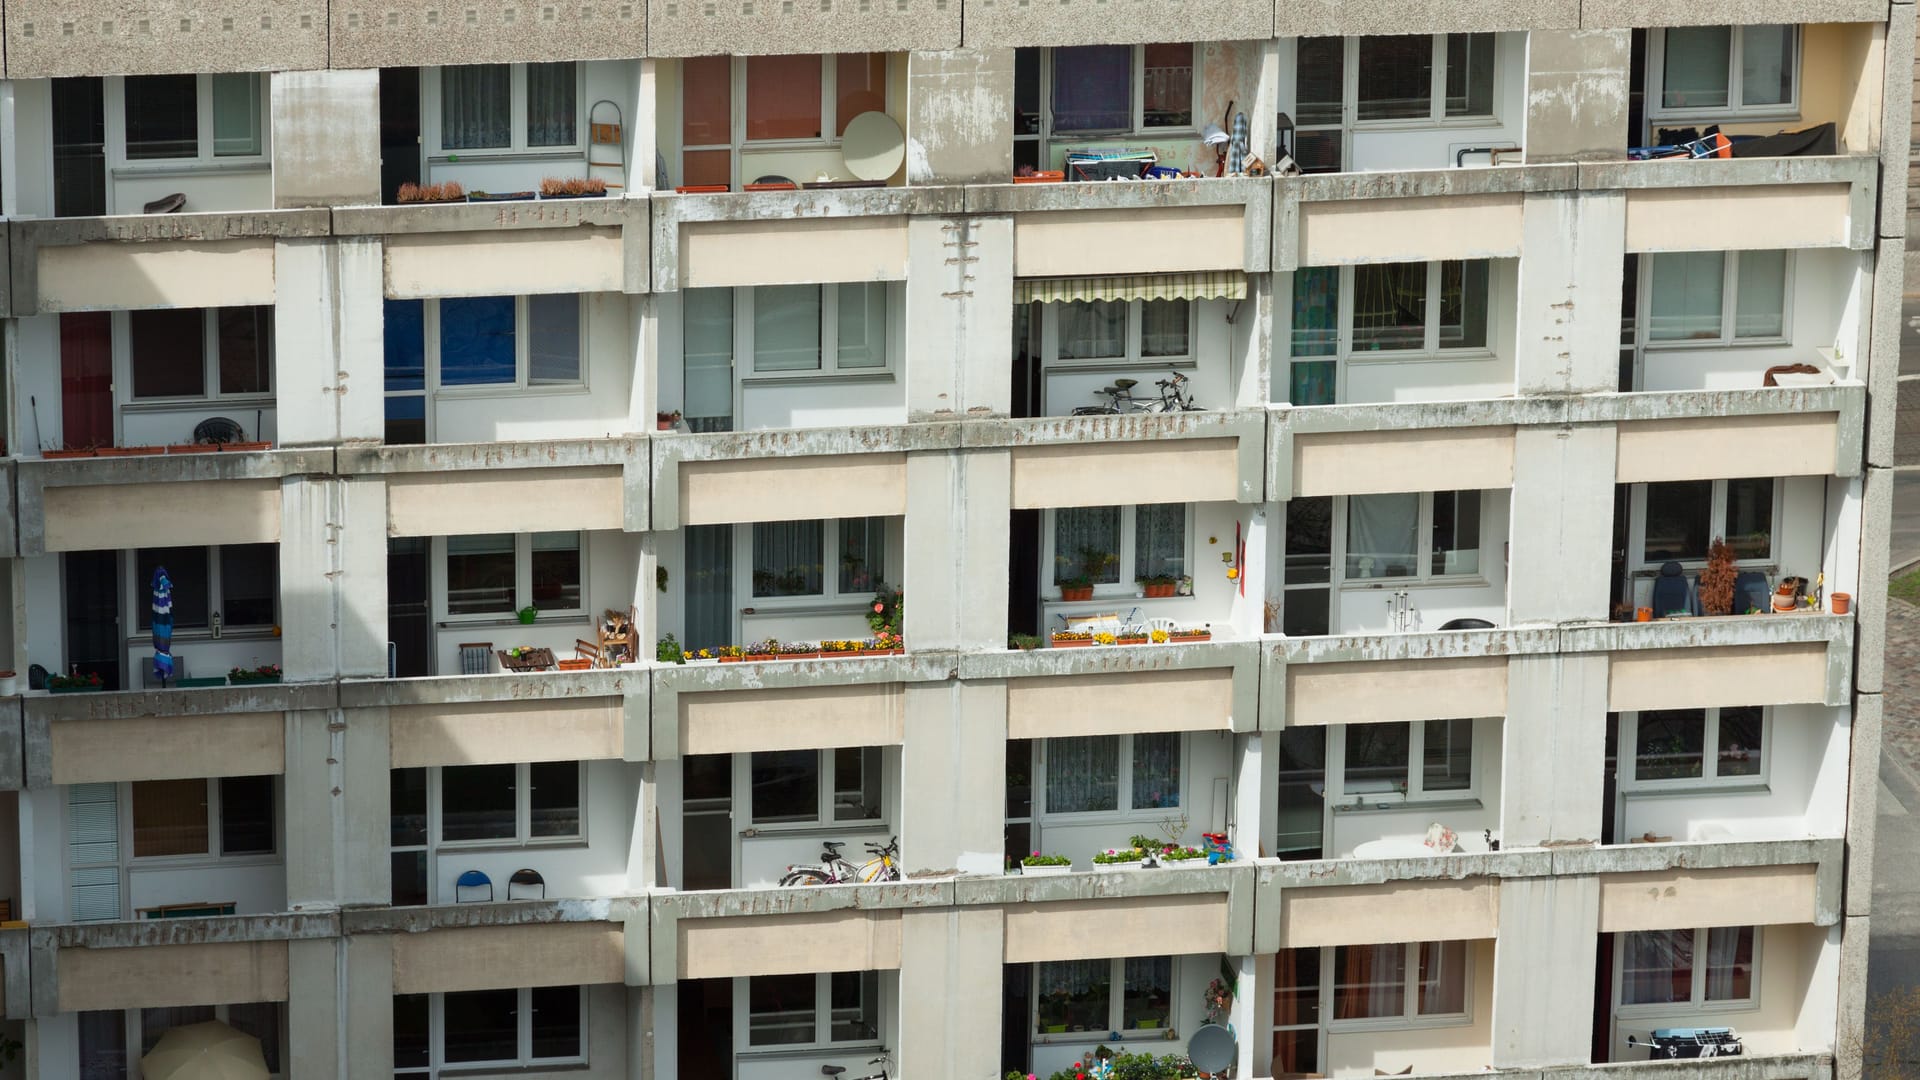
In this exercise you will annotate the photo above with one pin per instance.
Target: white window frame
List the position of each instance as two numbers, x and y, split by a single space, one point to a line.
737 129
522 817
1628 757
1424 557
1413 790
1123 789
137 596
522 365
213 856
523 1016
121 330
1437 93
1127 584
522 583
115 116
822 1019
828 784
134 1033
1116 1005
430 133
1729 302
1050 342
1410 1015
1697 1002
1137 89
829 593
1733 110
1716 526
1430 347
744 338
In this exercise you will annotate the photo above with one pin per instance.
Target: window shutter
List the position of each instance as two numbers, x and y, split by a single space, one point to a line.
93 851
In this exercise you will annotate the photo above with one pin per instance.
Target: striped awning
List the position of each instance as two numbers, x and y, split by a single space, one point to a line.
1209 285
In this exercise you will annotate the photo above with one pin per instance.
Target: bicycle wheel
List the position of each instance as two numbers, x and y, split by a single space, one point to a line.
806 875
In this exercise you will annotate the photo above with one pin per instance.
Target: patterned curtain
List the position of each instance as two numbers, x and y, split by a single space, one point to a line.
1159 540
1082 529
476 106
551 110
1156 770
709 586
787 558
1074 995
1083 774
1093 328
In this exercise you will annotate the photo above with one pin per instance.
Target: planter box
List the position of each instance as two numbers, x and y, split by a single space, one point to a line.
702 189
74 689
130 451
574 665
815 655
1069 643
1114 867
1175 864
843 655
1130 641
1043 177
213 680
1046 871
732 659
57 455
789 186
500 196
252 679
1189 637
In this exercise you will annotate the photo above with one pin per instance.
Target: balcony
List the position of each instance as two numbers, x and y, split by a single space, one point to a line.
91 504
192 260
507 486
586 245
106 737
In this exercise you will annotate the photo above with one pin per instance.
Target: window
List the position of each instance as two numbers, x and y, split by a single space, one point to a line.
1689 747
204 118
1402 983
816 787
812 1010
105 1036
1105 774
509 341
1396 762
200 352
525 803
1715 298
1658 968
225 817
1711 71
509 107
784 99
232 587
541 1025
495 574
1409 535
1125 995
790 557
1092 90
1427 77
1103 542
1679 519
1383 311
1130 331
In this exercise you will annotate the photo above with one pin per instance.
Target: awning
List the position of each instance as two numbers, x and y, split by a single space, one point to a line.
1210 285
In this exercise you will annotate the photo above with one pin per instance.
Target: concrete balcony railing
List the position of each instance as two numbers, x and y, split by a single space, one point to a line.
1166 227
485 719
786 238
1742 204
364 34
151 261
507 249
157 963
106 737
455 489
1057 693
495 946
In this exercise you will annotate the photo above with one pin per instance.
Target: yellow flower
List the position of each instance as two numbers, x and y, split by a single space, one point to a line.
1158 637
1103 638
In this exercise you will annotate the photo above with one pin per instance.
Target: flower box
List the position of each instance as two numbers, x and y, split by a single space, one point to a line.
1052 176
1059 642
249 680
1046 871
1157 592
211 680
56 455
130 451
1109 867
841 654
732 659
499 196
702 189
575 664
74 689
1196 635
785 186
1136 639
815 655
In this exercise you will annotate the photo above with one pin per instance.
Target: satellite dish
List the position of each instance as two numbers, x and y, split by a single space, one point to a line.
1211 1049
873 146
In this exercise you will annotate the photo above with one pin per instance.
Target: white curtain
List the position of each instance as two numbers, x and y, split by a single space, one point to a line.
1383 535
1730 963
476 106
786 328
1082 529
1093 328
1083 774
552 114
1443 983
1156 771
1160 540
787 558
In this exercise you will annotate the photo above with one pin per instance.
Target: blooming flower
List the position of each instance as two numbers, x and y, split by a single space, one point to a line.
879 608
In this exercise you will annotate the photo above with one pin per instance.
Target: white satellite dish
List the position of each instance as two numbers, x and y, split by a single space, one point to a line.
873 146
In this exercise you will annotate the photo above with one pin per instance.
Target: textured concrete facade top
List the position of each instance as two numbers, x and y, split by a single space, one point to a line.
48 38
1018 23
1316 18
382 33
1618 14
750 27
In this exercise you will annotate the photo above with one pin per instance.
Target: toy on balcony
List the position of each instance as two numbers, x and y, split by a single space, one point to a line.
1218 850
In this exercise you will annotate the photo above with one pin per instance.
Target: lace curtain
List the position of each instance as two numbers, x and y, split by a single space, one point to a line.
1078 530
476 106
552 113
1083 774
1093 328
1156 771
1159 540
788 558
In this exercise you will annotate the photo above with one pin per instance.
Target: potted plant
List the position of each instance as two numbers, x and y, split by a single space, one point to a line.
698 656
730 654
1023 642
883 614
1157 636
885 644
265 673
1070 639
74 684
1181 855
1038 865
1102 637
1131 637
1159 586
666 420
1119 859
1191 633
763 650
572 187
668 651
578 663
9 684
448 191
799 650
1717 580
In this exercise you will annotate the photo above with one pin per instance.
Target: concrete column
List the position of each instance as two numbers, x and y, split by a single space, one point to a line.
954 769
333 576
959 317
1251 337
314 1000
1553 750
1256 801
1850 1036
1562 524
328 340
326 138
649 316
1543 972
960 116
642 139
956 549
368 1039
1568 334
950 990
338 809
26 130
1577 95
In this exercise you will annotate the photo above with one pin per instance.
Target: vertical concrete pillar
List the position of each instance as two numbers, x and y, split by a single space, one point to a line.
1256 801
338 808
333 576
954 765
328 340
1553 750
326 138
1562 524
641 136
1568 335
950 989
368 1039
1577 95
1543 972
314 1001
956 548
960 116
959 316
1251 338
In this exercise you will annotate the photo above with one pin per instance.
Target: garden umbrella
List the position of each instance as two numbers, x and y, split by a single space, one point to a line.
206 1051
162 625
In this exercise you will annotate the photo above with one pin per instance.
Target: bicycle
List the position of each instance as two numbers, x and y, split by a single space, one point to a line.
834 869
884 1061
1174 397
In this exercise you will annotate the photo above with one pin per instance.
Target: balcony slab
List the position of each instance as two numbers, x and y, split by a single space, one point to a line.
150 260
687 28
50 39
364 34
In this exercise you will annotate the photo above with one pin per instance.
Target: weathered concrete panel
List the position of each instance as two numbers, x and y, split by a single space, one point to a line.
150 977
1199 699
326 138
1378 462
506 732
516 263
1395 691
494 957
1124 926
1102 474
158 274
795 944
369 34
1324 18
1618 13
1544 1022
1787 444
509 500
1757 218
792 718
1735 896
792 251
792 489
194 512
685 28
960 116
51 38
1698 678
1012 23
1142 240
1383 914
1410 230
168 747
1577 94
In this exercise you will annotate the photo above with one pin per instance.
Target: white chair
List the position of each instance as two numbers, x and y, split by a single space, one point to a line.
1162 624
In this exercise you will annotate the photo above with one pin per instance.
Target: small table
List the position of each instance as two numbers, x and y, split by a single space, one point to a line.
528 660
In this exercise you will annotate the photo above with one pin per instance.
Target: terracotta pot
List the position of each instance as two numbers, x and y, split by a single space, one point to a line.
1156 592
1190 637
665 425
1130 641
1644 614
1072 593
1842 603
731 659
1070 643
815 655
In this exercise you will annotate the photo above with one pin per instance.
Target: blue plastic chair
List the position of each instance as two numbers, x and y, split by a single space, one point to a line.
472 879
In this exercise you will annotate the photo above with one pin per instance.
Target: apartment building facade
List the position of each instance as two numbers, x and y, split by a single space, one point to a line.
1472 388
